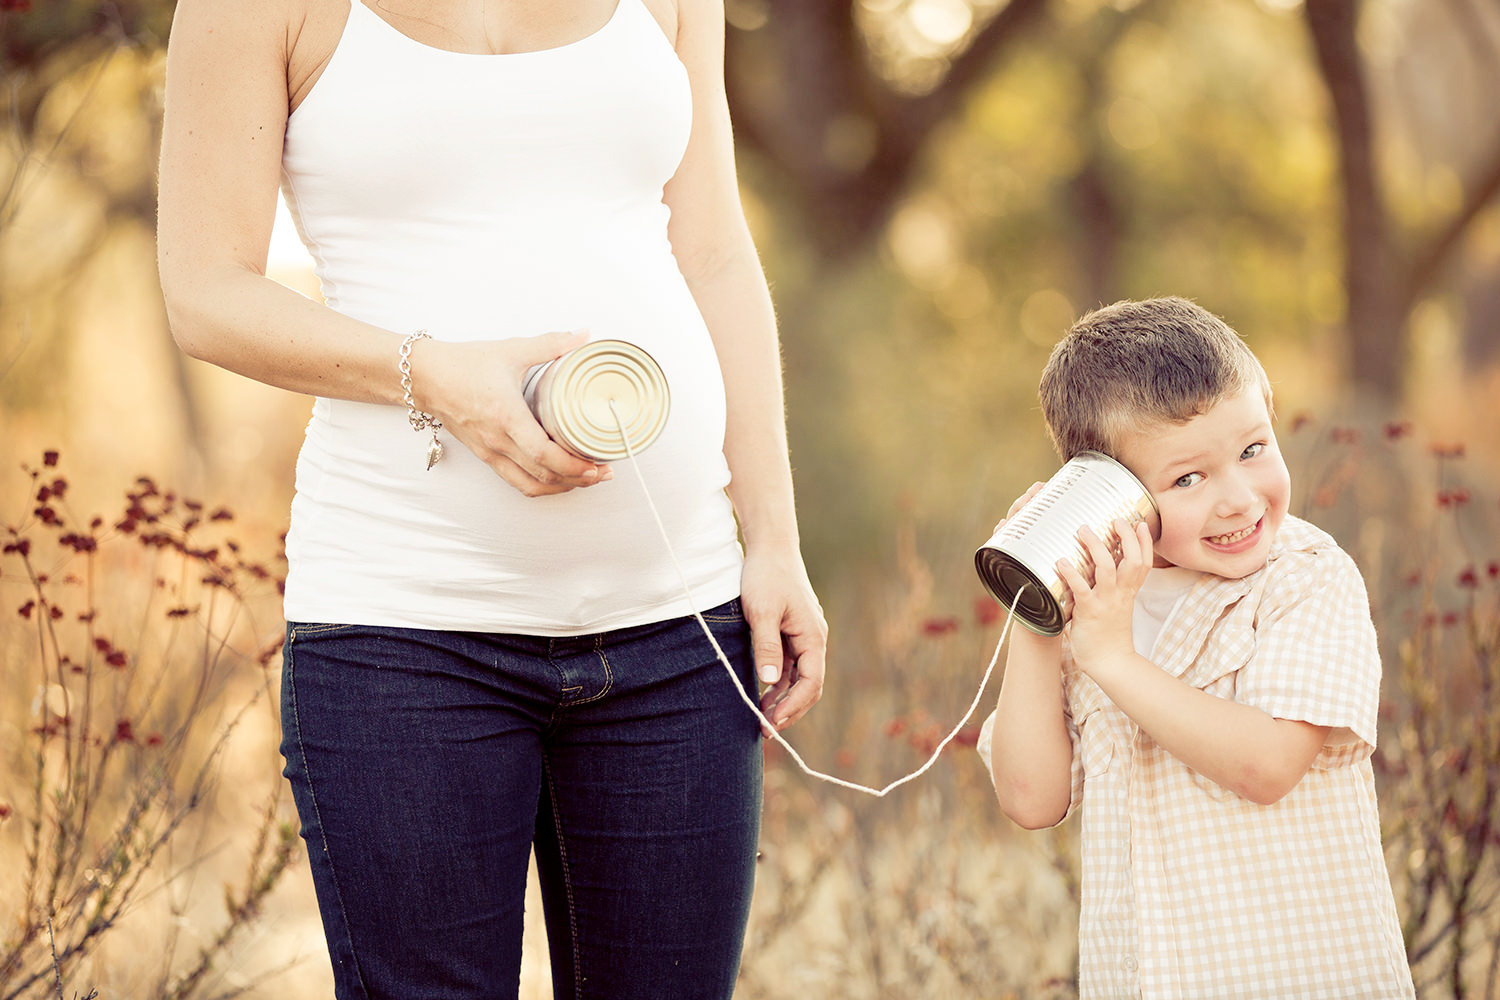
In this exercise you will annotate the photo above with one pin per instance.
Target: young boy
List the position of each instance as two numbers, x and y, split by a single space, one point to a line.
1212 704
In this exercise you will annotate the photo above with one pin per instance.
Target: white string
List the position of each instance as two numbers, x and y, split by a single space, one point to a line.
687 592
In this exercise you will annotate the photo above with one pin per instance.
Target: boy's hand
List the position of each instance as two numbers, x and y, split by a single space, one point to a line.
1101 625
1020 501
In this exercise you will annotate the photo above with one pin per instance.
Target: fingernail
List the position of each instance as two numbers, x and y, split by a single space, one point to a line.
768 673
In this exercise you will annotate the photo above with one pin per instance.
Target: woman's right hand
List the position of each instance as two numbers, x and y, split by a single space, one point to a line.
474 388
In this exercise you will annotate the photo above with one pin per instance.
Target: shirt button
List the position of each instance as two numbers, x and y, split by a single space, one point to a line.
1130 964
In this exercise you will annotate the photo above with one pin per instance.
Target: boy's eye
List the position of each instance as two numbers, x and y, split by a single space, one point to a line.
1253 450
1191 479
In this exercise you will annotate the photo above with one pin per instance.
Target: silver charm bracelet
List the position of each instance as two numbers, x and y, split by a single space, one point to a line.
420 419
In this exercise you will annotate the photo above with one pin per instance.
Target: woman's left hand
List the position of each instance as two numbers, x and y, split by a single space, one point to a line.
788 634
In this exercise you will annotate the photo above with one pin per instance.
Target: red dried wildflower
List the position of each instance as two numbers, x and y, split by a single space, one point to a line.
1300 420
20 545
1455 450
124 731
1468 578
4 811
1493 570
895 727
26 609
49 457
844 757
1456 497
1396 431
1451 618
179 612
1413 579
269 651
54 612
154 740
986 611
934 627
222 514
116 659
1345 435
79 543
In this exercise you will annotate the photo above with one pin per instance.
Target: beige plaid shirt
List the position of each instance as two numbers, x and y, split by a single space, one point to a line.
1192 892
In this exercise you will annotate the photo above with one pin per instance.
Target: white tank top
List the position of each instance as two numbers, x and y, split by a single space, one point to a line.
483 197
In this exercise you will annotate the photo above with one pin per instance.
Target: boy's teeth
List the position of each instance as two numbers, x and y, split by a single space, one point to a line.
1233 536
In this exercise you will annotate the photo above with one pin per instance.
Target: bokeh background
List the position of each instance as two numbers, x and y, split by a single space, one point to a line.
937 188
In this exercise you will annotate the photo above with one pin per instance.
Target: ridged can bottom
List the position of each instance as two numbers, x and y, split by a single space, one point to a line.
576 397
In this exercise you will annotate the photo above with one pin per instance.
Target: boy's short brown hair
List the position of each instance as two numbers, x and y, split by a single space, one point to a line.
1133 363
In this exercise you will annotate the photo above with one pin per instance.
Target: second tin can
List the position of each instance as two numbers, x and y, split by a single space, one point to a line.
571 398
1091 490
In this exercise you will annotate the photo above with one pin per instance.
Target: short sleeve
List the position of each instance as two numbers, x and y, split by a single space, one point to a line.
1076 768
984 746
1316 658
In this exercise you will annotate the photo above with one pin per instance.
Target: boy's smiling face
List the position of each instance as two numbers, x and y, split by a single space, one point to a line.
1220 483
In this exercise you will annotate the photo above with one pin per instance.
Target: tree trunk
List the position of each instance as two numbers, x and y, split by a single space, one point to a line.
1376 315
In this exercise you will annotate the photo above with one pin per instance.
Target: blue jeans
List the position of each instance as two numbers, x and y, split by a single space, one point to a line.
426 764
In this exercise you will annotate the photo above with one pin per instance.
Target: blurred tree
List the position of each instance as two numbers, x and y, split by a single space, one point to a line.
840 100
841 97
1386 271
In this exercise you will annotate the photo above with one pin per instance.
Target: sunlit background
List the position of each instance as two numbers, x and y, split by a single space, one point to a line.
938 188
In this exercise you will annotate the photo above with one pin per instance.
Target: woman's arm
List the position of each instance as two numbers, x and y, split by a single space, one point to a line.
228 72
1237 746
714 249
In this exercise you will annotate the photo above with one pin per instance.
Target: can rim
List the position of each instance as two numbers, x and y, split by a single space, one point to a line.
1133 478
997 570
582 424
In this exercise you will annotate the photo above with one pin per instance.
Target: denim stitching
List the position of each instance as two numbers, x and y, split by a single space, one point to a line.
567 881
728 617
565 690
609 677
313 795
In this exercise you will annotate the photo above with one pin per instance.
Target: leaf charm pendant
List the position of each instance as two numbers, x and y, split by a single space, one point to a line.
434 451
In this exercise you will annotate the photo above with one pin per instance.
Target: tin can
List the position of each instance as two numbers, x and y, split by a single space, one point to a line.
571 396
1091 490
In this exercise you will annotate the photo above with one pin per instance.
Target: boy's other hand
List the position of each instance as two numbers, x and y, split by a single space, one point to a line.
1101 625
1020 501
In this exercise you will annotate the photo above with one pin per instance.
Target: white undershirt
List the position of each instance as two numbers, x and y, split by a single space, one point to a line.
1156 602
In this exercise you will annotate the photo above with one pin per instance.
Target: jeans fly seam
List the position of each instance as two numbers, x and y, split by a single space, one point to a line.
609 677
289 679
567 882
